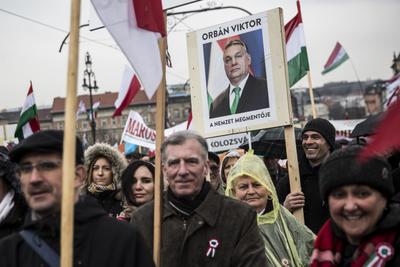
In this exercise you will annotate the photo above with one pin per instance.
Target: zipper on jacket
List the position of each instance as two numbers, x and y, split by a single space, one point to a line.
184 225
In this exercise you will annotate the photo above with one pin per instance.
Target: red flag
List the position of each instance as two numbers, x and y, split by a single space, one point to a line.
130 85
387 137
136 26
189 121
149 15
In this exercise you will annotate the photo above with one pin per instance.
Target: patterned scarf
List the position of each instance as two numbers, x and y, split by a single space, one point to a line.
95 188
376 250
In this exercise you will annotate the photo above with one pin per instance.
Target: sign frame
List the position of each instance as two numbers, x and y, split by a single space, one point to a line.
279 111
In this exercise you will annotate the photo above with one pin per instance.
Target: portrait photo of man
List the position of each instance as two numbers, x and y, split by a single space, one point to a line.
245 92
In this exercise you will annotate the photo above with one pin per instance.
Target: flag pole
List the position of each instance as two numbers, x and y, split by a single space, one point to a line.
68 165
358 78
311 93
158 181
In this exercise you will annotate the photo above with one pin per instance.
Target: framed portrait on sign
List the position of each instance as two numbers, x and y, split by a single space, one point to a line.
238 75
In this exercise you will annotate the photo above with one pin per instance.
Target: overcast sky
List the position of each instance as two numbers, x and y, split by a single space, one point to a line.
32 31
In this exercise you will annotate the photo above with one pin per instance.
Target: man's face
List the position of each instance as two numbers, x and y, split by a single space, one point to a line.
42 184
185 168
215 177
237 63
315 147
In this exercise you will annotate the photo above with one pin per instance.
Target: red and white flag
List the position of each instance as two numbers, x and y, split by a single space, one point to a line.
130 85
136 26
28 121
337 57
393 90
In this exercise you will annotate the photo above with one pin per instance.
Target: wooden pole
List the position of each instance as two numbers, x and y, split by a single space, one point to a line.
68 167
311 92
158 181
293 167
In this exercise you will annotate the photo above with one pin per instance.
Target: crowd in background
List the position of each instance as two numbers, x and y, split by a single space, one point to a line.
228 209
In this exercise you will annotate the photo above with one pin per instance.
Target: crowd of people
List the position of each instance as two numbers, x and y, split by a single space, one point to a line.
218 210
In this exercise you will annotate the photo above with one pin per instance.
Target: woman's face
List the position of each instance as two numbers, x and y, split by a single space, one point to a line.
248 190
143 186
228 165
356 209
102 173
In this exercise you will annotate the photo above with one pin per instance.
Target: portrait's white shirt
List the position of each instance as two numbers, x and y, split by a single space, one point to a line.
231 87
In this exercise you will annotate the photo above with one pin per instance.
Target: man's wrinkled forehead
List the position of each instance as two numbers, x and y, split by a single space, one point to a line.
174 152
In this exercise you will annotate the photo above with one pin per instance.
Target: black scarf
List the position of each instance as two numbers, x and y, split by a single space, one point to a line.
184 205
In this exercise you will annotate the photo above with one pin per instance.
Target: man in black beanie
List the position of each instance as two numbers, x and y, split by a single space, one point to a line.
39 165
318 140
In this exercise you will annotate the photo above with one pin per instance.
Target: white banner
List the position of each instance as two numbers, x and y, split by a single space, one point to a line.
137 132
226 142
344 127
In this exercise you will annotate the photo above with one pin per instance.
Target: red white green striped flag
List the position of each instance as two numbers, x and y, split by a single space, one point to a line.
296 48
28 121
337 57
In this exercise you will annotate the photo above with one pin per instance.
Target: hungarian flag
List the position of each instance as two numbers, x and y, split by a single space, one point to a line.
95 108
337 57
296 48
136 26
130 85
28 121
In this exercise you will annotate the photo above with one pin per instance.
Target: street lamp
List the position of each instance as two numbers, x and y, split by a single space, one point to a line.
88 77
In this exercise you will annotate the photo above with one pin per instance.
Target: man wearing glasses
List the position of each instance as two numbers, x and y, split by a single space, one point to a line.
244 92
39 159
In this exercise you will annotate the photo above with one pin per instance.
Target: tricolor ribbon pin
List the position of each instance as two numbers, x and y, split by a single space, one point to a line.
212 245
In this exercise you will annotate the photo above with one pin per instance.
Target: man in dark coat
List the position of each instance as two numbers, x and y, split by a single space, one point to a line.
245 92
318 141
199 226
39 159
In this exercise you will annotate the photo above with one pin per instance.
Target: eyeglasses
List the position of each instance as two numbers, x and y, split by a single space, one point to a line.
41 166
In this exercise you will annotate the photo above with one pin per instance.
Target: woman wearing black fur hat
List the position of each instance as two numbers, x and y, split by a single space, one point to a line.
137 186
104 165
364 225
12 204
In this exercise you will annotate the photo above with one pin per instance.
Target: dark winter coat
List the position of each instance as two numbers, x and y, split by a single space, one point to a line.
218 219
316 212
15 219
109 202
99 240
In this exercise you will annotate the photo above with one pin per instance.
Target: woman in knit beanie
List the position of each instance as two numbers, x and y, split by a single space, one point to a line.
364 225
